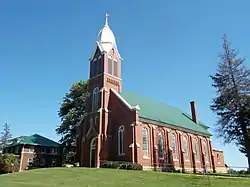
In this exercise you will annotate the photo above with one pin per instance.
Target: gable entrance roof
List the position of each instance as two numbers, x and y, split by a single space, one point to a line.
164 114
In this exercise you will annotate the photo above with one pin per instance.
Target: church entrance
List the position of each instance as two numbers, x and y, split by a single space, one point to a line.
92 152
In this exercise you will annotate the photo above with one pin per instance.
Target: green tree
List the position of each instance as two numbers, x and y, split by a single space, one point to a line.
232 103
71 110
5 135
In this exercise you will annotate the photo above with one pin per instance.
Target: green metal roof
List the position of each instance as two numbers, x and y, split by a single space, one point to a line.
34 139
165 114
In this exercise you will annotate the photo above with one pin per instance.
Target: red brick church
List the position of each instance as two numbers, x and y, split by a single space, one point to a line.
120 126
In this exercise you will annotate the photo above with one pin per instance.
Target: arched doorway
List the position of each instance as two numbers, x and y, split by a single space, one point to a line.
92 153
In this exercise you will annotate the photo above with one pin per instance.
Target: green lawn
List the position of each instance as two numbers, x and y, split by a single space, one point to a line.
81 177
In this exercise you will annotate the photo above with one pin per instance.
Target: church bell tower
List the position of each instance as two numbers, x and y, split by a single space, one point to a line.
105 74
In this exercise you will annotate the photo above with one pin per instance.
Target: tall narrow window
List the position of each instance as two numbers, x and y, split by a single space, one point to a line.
218 158
160 146
94 68
145 142
121 140
205 150
173 145
95 99
110 63
96 122
100 66
185 147
196 150
116 68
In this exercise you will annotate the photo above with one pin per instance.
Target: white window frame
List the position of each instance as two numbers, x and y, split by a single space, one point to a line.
196 149
174 151
205 150
218 158
121 140
185 147
145 135
160 138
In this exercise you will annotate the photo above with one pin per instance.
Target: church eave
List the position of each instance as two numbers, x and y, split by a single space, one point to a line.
172 126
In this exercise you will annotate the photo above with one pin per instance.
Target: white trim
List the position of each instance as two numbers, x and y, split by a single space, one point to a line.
136 107
146 157
105 73
121 98
93 53
137 145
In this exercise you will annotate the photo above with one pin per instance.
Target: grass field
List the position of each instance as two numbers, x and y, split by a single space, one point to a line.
83 177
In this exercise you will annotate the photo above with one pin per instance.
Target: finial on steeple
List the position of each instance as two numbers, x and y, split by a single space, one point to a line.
106 19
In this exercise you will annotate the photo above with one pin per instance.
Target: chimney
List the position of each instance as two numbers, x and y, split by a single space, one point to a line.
193 111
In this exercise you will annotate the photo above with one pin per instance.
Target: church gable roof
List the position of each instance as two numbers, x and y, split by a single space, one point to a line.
165 114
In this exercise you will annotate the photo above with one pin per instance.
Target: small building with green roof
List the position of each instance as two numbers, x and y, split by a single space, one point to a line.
125 127
35 151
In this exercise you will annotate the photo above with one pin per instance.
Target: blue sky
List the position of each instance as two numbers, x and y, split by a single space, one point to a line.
169 48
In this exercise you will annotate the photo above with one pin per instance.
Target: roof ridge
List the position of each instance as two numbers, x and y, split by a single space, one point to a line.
154 100
162 112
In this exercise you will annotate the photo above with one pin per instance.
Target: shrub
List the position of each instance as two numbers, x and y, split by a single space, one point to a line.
8 163
120 165
113 165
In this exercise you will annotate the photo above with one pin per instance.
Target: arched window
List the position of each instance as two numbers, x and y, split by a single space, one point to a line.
121 140
145 142
160 146
173 145
218 158
196 150
205 150
185 147
95 99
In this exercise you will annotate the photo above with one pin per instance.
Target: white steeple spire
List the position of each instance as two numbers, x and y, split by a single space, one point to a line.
106 19
106 38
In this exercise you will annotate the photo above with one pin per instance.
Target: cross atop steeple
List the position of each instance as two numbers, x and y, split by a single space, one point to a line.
106 19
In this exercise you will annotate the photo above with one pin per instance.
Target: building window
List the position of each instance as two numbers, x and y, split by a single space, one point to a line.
145 142
43 150
94 68
54 150
218 158
30 161
42 161
95 99
196 150
100 67
96 121
53 162
205 150
115 68
174 148
185 147
121 140
160 146
110 63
